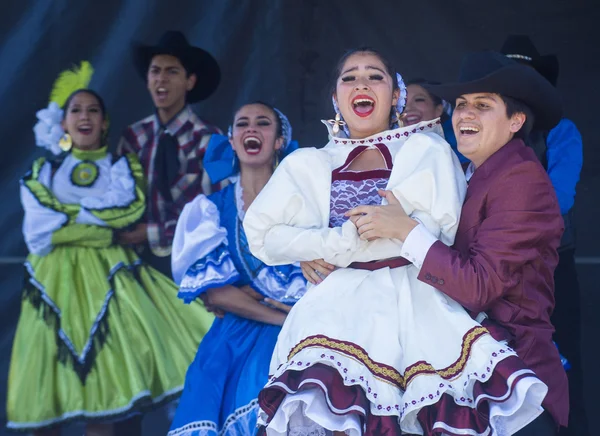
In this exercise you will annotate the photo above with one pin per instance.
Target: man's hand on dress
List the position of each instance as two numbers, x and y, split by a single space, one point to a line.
387 221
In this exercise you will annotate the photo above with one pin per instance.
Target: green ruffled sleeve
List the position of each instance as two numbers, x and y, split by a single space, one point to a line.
44 196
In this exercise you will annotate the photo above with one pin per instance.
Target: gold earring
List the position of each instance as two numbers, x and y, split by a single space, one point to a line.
65 142
336 124
399 117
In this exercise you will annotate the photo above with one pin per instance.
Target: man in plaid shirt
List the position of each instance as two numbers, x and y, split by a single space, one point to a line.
170 143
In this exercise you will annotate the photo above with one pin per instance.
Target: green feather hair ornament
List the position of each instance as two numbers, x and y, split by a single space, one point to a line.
70 81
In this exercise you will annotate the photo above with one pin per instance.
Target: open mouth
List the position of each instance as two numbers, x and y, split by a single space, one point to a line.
363 105
411 119
162 93
252 145
85 129
468 130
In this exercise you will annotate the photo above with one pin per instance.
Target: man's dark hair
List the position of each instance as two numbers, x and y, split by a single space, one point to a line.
514 106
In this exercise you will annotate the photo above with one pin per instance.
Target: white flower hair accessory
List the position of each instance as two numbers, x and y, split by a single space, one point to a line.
447 107
403 93
48 129
286 127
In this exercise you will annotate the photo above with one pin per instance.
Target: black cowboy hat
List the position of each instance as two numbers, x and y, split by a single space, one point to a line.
493 72
521 49
194 60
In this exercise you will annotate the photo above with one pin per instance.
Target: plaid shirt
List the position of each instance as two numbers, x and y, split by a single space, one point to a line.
192 135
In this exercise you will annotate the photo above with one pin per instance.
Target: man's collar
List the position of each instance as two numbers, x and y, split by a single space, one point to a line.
495 160
174 124
469 172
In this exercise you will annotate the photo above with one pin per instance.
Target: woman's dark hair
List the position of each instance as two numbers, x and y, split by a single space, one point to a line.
423 83
278 127
86 91
514 106
338 68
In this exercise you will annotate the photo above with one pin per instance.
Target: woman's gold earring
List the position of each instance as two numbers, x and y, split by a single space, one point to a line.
399 118
336 124
65 142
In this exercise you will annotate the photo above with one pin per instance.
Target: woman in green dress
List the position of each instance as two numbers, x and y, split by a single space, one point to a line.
101 335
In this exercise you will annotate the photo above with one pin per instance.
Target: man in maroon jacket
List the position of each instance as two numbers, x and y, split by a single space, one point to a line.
505 251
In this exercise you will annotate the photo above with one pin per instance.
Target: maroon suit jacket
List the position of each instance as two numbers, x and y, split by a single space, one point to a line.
503 260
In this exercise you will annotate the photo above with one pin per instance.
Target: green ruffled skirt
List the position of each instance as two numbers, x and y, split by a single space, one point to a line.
101 336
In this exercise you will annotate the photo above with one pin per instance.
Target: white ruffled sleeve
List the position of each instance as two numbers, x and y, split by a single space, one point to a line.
429 182
40 220
123 203
288 221
200 258
121 191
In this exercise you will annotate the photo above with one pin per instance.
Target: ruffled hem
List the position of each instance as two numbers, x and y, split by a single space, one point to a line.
141 403
241 422
215 270
505 401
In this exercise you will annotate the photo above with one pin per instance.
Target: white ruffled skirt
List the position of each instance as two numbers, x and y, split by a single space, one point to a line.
370 352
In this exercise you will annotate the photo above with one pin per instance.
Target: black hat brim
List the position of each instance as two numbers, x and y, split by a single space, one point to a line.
517 81
194 59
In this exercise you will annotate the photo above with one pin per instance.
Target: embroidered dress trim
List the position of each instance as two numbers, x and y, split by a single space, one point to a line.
386 372
390 135
82 362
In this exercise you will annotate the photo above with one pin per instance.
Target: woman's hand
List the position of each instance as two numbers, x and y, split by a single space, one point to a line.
244 303
388 221
251 292
316 271
217 312
279 306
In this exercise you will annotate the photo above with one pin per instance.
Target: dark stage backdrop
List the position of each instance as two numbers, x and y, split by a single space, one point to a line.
281 52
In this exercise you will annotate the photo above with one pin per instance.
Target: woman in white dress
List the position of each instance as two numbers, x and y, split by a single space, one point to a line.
371 350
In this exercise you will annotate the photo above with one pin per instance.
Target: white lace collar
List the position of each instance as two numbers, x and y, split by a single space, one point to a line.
239 199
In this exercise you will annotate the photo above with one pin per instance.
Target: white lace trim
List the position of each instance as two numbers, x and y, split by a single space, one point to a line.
313 430
347 194
239 199
238 420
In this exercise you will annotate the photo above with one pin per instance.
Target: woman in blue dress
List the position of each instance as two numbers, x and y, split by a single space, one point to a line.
211 261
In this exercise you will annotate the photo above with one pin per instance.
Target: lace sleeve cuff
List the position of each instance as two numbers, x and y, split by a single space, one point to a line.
212 271
284 283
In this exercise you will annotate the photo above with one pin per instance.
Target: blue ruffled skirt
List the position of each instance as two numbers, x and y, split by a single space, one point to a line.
223 381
